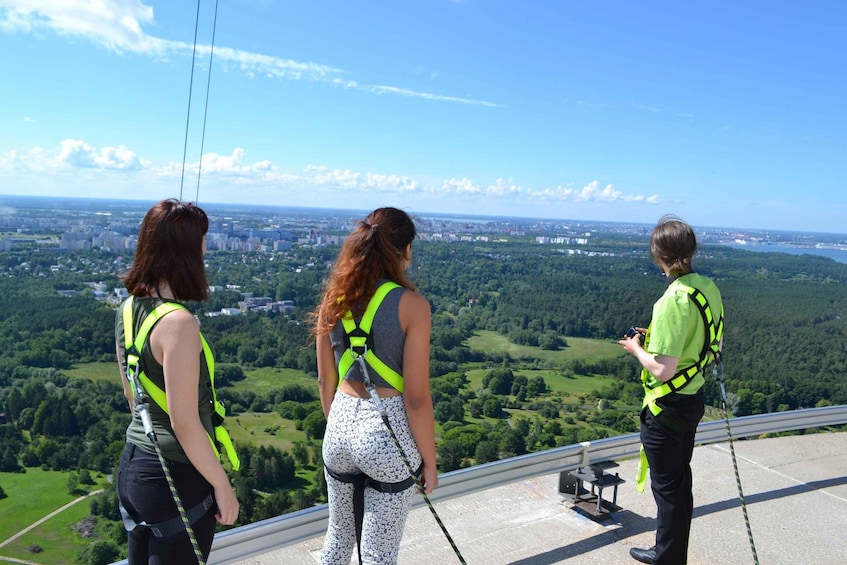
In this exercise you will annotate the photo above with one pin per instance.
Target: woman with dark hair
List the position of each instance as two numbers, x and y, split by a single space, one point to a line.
176 361
684 336
372 335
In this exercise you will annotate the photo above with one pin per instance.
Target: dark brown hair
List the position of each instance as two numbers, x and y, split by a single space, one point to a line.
673 243
170 249
375 248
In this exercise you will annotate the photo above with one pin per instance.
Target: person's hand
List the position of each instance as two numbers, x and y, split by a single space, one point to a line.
633 344
227 505
429 478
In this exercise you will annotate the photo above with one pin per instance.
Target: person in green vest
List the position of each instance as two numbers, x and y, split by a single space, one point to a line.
372 334
176 364
683 337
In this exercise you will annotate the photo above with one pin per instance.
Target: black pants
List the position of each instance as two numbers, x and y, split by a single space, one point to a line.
668 442
144 493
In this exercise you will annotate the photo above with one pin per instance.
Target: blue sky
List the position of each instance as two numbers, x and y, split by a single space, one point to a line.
725 113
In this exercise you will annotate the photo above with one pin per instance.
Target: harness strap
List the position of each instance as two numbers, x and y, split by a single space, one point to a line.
361 340
709 353
360 481
172 527
155 393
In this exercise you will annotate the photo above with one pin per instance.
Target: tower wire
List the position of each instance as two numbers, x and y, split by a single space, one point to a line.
206 109
190 88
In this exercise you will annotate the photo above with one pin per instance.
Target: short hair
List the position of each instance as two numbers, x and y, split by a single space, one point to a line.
170 249
673 243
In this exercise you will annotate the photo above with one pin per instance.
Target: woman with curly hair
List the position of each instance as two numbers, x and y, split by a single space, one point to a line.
372 333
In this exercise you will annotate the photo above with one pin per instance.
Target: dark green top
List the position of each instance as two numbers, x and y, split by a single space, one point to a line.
153 369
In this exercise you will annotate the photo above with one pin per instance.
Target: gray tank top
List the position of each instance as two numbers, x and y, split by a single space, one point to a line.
388 338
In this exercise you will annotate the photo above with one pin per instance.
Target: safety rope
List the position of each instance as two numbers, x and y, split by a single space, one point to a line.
717 371
384 414
144 413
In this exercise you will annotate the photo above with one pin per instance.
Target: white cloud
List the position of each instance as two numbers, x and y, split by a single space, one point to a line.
16 160
265 177
118 25
460 186
593 192
115 24
381 89
505 188
77 153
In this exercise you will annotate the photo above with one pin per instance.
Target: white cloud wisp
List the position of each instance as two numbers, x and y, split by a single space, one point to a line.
264 177
118 25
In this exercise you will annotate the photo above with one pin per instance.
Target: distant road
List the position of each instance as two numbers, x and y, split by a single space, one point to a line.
14 560
42 520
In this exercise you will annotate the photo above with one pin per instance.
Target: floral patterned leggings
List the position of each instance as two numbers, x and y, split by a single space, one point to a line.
357 441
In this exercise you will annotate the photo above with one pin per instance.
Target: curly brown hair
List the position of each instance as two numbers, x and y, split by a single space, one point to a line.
376 248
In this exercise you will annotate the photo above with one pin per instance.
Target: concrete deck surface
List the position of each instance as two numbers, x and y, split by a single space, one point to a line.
795 489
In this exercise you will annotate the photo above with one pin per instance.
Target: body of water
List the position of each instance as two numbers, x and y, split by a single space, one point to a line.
839 255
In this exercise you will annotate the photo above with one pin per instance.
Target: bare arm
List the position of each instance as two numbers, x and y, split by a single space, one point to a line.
175 343
663 367
416 320
327 372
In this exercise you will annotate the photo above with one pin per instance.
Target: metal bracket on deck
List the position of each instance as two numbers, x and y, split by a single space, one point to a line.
594 474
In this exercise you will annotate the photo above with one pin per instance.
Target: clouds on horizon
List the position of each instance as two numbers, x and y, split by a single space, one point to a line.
118 26
105 162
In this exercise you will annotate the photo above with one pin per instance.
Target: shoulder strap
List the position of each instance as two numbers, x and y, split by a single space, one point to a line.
359 340
133 347
710 352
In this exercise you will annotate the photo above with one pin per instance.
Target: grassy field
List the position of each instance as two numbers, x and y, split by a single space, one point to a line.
31 496
264 429
258 380
60 543
570 388
94 372
578 348
270 378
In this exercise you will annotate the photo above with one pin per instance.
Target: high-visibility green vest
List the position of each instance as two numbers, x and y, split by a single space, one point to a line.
361 341
150 389
709 354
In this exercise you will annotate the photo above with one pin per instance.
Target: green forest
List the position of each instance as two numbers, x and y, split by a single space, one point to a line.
524 358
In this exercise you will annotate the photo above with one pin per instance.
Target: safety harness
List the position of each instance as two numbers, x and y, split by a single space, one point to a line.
710 354
156 394
358 340
142 389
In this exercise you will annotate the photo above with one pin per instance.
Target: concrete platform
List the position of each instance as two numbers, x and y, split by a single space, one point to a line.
795 489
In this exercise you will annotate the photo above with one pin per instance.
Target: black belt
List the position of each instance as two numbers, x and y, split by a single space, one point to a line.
360 481
172 527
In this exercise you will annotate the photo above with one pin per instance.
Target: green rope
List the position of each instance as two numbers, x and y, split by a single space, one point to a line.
718 373
143 412
378 402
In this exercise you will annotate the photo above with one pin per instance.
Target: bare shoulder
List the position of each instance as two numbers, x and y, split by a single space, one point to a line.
414 302
414 311
178 322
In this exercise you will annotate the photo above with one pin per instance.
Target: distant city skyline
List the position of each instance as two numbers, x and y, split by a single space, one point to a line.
728 115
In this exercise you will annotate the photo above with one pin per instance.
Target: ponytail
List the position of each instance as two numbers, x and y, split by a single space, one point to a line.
376 248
